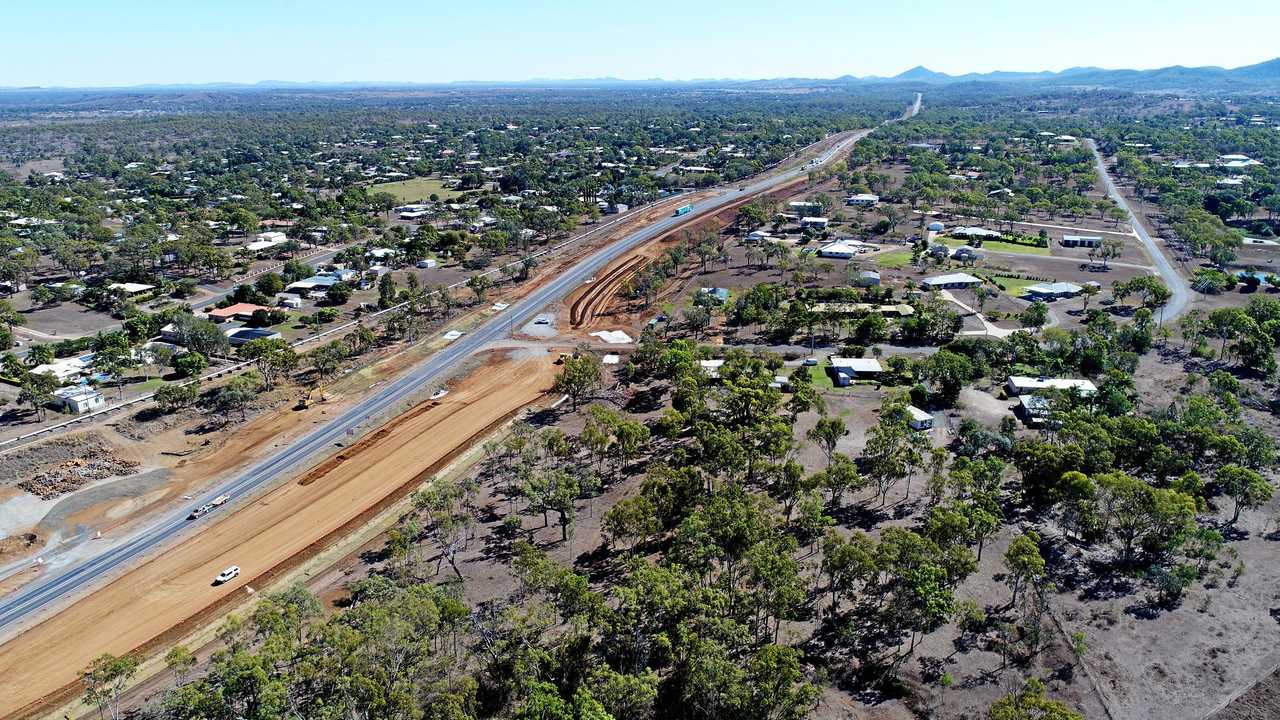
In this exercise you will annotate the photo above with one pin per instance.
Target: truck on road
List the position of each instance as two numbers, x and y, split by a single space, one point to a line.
208 507
683 210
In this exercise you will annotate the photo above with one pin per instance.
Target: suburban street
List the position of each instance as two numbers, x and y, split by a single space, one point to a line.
28 603
1172 279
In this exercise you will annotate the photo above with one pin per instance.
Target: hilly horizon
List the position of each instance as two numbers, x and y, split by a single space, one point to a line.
1175 77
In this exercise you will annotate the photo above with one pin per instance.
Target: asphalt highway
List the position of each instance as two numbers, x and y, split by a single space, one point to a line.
27 603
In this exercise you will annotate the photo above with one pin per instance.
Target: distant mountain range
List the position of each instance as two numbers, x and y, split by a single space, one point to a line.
1262 77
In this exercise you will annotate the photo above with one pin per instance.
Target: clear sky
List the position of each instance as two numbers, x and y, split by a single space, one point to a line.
127 42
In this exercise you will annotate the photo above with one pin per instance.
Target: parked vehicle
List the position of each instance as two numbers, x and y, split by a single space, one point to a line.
227 575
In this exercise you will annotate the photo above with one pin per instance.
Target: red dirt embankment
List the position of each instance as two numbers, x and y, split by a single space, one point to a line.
173 592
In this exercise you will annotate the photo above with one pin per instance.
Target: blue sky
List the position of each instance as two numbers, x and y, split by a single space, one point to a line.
126 42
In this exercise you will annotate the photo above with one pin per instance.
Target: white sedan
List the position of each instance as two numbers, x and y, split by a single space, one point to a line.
227 575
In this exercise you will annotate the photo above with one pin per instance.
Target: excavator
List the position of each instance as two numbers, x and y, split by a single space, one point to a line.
313 396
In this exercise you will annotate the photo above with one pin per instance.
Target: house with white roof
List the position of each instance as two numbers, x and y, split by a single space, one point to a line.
1020 384
819 223
862 200
840 250
951 281
976 232
132 289
66 369
1052 291
845 370
77 399
920 420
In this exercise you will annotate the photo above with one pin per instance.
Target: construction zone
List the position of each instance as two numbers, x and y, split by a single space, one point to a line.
146 607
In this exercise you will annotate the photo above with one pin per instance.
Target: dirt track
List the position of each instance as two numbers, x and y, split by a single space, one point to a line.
600 293
602 298
149 602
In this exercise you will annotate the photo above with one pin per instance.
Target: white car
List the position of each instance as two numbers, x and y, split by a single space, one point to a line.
227 575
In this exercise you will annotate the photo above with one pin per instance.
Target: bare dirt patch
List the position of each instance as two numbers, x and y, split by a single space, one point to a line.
61 465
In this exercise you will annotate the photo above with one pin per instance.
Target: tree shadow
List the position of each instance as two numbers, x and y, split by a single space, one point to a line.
859 515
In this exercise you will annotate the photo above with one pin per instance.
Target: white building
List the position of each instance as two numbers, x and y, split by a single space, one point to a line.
132 289
77 399
976 232
920 420
951 281
804 206
838 250
819 223
862 200
846 370
1019 384
1053 291
66 369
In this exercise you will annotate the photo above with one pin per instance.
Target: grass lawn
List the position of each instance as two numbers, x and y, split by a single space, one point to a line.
1001 246
416 189
894 260
146 385
1014 287
820 378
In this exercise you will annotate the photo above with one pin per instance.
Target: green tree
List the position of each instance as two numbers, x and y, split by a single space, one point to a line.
1035 316
190 364
479 284
36 390
1245 487
579 377
272 356
338 294
180 661
950 371
237 394
174 397
1030 703
826 434
105 680
1024 564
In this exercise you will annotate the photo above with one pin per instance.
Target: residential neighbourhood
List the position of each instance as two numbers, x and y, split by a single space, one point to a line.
564 375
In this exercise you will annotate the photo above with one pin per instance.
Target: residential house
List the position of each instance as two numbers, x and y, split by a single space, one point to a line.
804 207
845 370
840 250
920 420
66 369
242 335
132 289
238 311
77 399
1020 385
862 200
818 223
1052 291
1034 409
867 278
951 281
711 368
976 233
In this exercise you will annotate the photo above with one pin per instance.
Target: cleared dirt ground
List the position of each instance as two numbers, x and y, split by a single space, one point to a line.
152 600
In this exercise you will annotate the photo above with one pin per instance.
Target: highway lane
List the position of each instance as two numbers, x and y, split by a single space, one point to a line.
1172 279
26 603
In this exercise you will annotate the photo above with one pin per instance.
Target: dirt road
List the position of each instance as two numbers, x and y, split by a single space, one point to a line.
160 596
